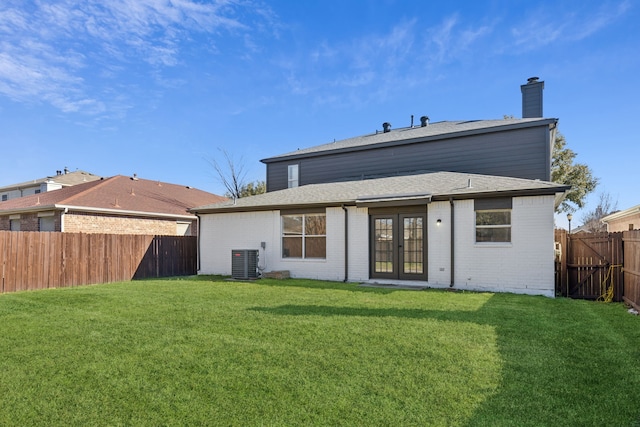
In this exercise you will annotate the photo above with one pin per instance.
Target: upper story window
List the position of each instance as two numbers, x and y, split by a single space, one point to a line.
5 197
292 180
304 235
493 220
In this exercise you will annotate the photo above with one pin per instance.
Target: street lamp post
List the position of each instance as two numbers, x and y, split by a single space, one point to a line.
569 217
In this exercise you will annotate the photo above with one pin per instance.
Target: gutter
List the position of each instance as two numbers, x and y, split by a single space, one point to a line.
620 214
452 243
64 212
346 243
124 212
403 200
67 208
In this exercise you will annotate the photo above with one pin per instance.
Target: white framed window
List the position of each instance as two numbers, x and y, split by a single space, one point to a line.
304 235
14 224
292 173
493 220
493 226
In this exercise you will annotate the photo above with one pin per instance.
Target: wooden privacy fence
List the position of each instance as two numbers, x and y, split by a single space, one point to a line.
599 265
40 260
631 273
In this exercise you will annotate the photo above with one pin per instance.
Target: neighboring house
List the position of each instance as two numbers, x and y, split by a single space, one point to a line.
42 185
518 148
628 219
583 229
448 227
116 205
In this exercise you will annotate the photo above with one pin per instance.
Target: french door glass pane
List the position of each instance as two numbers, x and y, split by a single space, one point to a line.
413 251
383 252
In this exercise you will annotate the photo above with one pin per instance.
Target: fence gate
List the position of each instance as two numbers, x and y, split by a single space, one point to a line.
594 266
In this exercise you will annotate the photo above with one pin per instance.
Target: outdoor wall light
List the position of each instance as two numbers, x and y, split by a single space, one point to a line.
438 222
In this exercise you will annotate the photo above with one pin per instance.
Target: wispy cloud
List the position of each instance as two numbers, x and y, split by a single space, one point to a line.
544 26
369 67
56 52
373 65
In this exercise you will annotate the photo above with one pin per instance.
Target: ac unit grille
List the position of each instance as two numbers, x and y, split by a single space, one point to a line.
244 264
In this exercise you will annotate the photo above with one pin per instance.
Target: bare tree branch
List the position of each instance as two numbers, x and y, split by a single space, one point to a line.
232 176
606 206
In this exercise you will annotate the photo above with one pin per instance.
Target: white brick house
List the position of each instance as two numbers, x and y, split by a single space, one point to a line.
440 229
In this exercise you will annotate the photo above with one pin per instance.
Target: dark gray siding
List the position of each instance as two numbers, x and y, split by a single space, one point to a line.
520 153
278 174
532 100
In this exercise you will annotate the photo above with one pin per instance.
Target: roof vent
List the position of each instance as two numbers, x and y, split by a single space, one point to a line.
424 121
386 126
134 177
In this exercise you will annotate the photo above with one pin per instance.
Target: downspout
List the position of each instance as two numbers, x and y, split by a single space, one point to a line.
346 243
452 243
62 219
198 228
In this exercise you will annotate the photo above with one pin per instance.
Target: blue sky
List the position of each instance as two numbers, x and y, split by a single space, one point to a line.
157 87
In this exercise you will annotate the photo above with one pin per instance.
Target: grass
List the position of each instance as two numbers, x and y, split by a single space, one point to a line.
300 352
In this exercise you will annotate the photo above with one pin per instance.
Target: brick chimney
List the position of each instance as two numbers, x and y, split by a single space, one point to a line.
532 98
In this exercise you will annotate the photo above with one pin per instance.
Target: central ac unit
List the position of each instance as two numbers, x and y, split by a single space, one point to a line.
244 263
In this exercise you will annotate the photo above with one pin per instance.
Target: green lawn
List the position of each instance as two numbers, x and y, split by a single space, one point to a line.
208 352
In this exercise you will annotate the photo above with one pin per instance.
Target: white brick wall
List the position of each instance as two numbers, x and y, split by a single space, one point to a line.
358 244
223 232
439 244
523 266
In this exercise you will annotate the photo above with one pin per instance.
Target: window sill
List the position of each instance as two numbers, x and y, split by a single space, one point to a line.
303 259
493 245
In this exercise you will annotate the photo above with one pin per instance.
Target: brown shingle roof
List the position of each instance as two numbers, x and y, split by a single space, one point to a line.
119 193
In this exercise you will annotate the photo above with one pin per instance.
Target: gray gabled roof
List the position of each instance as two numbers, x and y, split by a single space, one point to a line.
409 135
406 189
66 179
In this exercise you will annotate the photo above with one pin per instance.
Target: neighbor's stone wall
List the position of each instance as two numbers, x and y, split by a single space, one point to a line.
95 223
28 222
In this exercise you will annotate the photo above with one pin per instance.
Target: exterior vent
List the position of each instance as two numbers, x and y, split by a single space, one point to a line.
244 263
424 121
386 127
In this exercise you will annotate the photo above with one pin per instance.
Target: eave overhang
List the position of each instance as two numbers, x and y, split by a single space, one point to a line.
388 200
71 208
